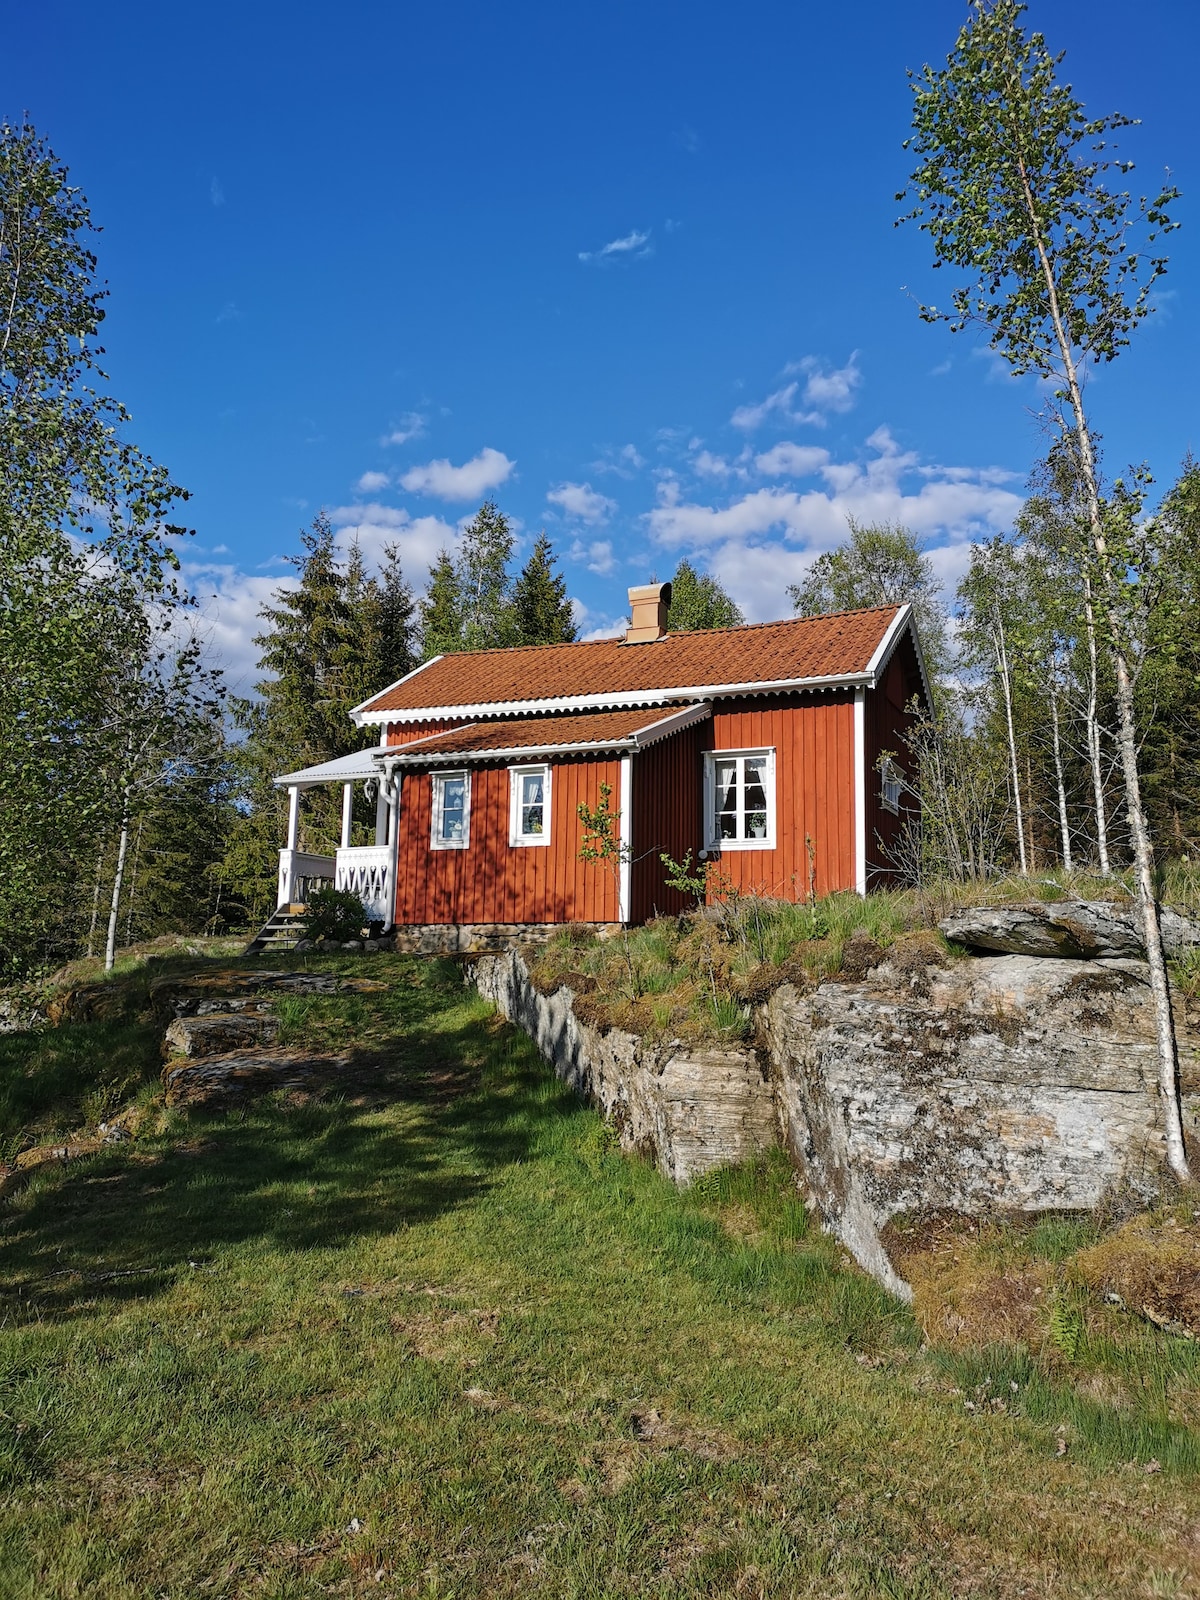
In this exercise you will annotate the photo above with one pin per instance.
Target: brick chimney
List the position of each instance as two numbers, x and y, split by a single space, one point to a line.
648 607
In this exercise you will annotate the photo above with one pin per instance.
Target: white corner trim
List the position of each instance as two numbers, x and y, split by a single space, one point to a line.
357 711
904 619
860 791
625 882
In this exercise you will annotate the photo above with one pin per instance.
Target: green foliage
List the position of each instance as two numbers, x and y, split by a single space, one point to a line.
680 877
601 842
101 689
334 914
1012 187
330 642
541 611
880 564
698 601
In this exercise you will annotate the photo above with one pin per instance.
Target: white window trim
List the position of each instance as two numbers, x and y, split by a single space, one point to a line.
713 845
439 781
516 839
891 776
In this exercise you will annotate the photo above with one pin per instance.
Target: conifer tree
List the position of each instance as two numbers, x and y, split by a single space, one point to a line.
542 613
698 601
441 610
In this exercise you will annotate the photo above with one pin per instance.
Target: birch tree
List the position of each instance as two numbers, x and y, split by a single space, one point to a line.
1013 187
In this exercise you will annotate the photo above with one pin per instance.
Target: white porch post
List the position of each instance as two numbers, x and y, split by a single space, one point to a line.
389 793
381 812
347 813
293 817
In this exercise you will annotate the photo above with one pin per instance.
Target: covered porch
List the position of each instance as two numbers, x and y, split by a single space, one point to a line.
367 871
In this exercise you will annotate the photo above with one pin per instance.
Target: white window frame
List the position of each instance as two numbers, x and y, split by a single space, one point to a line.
439 781
517 839
714 845
890 778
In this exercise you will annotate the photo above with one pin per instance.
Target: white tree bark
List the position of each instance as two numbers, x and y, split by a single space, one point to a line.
1092 725
1001 649
1139 832
110 950
1063 820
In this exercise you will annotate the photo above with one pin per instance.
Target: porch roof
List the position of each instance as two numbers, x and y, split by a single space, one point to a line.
344 769
590 732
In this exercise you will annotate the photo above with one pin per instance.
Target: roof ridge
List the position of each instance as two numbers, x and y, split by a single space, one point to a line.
679 633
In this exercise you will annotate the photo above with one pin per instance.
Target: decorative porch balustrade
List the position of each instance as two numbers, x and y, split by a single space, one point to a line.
364 872
300 874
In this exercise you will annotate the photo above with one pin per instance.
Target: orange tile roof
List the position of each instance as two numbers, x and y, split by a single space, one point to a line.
829 647
603 730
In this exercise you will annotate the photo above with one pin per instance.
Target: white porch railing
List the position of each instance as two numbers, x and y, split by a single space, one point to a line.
300 874
364 872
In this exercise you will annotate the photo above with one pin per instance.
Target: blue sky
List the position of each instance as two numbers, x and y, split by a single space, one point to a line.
629 268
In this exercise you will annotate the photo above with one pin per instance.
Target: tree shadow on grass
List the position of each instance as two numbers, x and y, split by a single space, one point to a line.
441 1116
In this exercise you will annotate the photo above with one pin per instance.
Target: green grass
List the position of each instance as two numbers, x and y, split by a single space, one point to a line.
436 1337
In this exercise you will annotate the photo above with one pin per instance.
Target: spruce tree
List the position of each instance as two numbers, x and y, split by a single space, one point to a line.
542 613
698 601
441 610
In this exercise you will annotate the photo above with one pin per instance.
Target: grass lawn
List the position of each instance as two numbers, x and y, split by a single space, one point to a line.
434 1337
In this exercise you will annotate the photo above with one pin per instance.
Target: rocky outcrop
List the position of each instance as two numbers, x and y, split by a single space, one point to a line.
216 1033
218 1082
1077 929
688 1110
1007 1082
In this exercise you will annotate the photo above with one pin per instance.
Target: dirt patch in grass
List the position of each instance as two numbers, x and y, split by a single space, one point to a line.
1153 1265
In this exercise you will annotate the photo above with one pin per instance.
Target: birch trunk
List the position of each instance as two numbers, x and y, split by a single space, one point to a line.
1139 833
1063 821
110 952
1093 730
1001 649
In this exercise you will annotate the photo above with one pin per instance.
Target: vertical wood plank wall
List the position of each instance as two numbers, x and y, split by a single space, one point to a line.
668 815
886 725
813 741
491 881
405 732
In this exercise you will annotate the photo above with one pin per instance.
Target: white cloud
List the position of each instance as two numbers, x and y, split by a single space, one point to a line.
372 482
410 426
624 462
825 389
582 502
829 389
228 604
791 460
444 481
374 525
632 247
597 555
215 192
759 541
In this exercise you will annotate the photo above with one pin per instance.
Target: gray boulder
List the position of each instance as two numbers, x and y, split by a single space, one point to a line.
1087 930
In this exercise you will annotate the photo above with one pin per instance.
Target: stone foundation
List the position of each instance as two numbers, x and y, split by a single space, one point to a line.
465 938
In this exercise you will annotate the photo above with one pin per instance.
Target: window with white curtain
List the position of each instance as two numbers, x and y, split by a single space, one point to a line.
529 805
451 810
739 794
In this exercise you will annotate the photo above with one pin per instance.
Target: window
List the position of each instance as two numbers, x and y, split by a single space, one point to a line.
529 805
892 783
451 810
740 799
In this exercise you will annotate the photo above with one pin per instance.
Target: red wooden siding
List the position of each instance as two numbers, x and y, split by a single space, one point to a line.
813 739
491 881
668 815
886 725
406 732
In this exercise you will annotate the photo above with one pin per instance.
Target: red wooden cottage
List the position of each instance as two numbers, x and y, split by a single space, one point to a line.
763 748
